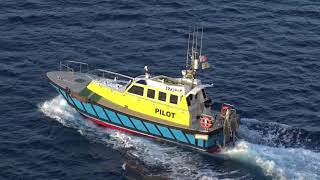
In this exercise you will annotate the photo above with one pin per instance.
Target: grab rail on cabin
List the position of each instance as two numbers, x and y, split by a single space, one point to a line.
65 66
112 79
72 65
104 73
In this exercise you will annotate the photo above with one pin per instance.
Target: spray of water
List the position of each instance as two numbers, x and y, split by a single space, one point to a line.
276 162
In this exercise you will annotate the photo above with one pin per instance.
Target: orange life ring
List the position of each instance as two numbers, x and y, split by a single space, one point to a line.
206 122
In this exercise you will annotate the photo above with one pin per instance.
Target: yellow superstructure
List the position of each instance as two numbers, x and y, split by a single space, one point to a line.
152 101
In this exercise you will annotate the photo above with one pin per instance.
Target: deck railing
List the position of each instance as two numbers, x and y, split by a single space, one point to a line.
74 66
99 75
106 72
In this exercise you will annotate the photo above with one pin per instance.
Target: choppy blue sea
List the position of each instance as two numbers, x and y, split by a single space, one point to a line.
266 58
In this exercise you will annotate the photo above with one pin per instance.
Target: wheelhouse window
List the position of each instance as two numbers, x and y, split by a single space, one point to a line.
204 94
173 99
190 97
151 93
136 90
142 82
188 101
162 96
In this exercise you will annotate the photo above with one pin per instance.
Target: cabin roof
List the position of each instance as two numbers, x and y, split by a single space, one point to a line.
168 80
176 85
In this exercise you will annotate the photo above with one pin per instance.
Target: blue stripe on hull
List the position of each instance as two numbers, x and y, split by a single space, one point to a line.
100 112
113 117
70 100
78 104
152 128
89 109
139 125
200 143
191 139
57 89
179 135
64 95
165 132
215 140
126 121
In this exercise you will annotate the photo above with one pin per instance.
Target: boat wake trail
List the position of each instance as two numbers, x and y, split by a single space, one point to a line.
278 160
278 163
280 151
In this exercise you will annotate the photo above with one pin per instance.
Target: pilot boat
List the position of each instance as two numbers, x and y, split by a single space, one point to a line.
171 109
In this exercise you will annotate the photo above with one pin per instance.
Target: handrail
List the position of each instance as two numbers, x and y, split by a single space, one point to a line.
114 73
140 76
78 62
67 64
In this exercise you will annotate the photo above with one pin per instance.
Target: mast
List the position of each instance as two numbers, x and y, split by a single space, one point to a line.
196 46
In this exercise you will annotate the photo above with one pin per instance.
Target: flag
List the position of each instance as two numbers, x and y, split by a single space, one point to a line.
203 59
205 65
204 62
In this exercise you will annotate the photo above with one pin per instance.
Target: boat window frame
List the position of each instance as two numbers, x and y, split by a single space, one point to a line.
188 101
204 94
165 97
190 97
134 85
170 99
154 93
142 82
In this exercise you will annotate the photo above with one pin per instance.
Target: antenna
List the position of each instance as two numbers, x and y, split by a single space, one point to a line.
192 49
201 40
196 62
188 52
196 43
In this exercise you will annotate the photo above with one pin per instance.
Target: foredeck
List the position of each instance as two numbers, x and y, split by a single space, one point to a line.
67 79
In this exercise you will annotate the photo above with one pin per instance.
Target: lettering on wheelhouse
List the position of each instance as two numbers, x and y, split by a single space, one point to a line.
164 113
172 89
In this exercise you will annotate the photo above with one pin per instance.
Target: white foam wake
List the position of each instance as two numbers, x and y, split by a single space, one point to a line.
278 163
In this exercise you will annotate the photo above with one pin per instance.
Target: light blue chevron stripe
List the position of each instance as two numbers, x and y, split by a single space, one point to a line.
126 121
191 139
139 124
152 129
100 112
78 104
200 142
165 132
113 117
179 135
89 109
